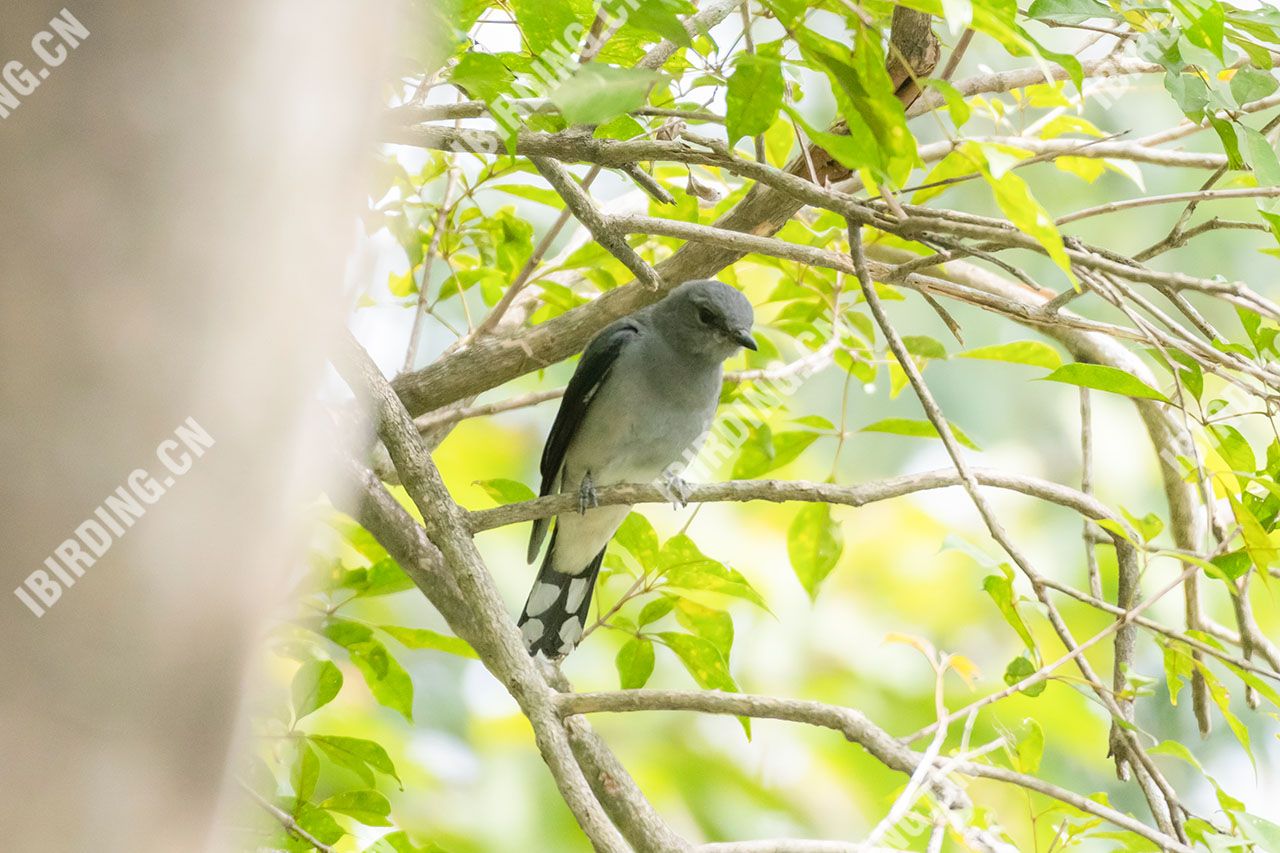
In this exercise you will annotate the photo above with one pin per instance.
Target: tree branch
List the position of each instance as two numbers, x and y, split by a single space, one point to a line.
855 727
605 233
1175 198
470 604
762 212
286 820
998 533
782 491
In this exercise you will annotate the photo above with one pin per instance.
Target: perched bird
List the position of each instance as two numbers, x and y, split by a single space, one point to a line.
636 410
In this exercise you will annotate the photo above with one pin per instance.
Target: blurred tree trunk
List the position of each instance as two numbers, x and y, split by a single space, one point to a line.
179 195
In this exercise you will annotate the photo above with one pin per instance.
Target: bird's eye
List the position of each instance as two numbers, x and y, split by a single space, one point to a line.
705 315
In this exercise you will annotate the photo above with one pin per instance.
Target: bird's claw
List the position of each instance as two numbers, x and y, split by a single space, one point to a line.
587 496
676 490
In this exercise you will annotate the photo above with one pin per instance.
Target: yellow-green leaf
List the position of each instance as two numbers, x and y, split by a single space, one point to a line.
314 686
635 663
917 429
1104 378
424 638
814 544
1033 353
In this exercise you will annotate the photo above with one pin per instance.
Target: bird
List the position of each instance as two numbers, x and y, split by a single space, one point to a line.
636 410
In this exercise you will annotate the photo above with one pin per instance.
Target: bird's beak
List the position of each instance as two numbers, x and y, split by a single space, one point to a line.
745 339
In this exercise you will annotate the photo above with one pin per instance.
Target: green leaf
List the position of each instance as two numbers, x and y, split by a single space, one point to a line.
1263 833
1033 353
1188 372
1208 29
1232 566
305 772
1117 528
345 633
1148 526
1266 168
655 610
464 280
1178 665
1189 92
684 567
1263 687
1000 588
635 663
923 346
402 284
1015 199
384 577
958 164
878 133
541 195
1233 448
1020 668
314 686
705 663
714 626
1103 378
1257 542
816 422
399 842
855 150
702 659
1230 137
637 536
814 544
597 93
1028 747
545 22
765 451
387 680
1177 750
755 93
368 807
423 638
1250 84
318 823
787 11
660 17
956 105
787 447
917 429
1222 699
506 491
361 540
1068 11
1250 321
356 754
482 75
1065 124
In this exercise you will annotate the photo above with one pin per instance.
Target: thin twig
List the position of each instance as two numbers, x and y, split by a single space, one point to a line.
940 423
286 820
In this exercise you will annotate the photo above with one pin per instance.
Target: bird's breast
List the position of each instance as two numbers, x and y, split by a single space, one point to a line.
637 430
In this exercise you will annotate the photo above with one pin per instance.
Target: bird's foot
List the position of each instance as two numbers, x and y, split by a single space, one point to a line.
675 489
587 495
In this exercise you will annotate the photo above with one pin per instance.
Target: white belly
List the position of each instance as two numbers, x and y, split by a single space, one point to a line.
580 537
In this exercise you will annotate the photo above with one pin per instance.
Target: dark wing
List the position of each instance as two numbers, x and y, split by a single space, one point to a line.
593 369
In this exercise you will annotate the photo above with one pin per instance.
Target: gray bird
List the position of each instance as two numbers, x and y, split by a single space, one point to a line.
642 397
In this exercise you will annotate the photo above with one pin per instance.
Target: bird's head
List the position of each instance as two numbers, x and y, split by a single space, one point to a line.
708 317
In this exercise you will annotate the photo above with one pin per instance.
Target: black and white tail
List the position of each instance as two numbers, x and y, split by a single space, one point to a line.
556 612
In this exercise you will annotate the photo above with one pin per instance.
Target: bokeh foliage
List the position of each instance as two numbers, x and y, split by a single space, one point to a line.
385 734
